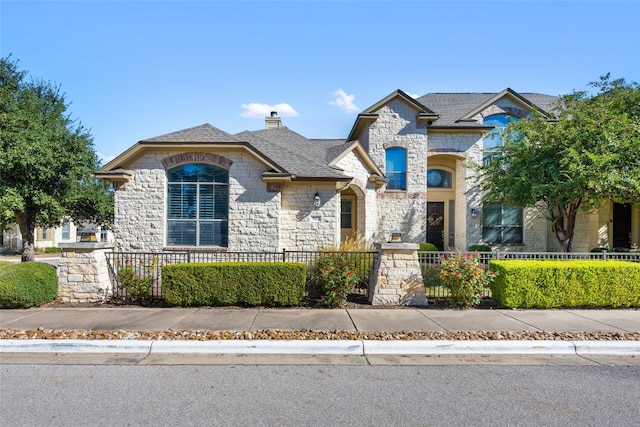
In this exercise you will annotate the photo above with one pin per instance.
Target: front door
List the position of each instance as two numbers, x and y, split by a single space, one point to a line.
435 224
621 226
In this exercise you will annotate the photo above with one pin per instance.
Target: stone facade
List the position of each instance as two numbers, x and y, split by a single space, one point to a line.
397 126
83 274
396 278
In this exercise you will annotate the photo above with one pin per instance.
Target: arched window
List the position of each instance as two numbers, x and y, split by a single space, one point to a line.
493 139
396 168
439 178
198 205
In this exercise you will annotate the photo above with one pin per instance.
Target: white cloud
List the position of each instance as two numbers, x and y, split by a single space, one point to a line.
344 101
104 158
413 95
255 109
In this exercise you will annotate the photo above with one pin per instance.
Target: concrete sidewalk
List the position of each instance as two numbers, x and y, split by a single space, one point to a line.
360 320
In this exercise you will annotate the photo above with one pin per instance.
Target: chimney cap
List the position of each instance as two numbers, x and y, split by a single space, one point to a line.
274 114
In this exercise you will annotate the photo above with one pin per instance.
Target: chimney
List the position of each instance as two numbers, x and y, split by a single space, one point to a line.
273 122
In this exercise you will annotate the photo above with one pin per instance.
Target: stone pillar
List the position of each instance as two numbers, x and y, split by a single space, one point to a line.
396 278
83 274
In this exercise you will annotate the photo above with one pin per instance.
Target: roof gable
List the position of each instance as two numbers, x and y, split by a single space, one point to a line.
369 114
456 110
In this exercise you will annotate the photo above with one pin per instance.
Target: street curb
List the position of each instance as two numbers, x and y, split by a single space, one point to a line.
334 347
469 347
344 347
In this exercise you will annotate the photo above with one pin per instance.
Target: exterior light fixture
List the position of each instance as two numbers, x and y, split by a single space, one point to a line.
316 200
396 236
474 213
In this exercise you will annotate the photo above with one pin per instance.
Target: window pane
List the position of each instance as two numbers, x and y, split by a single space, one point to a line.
181 233
511 215
396 161
221 201
182 201
206 201
345 213
438 178
491 234
491 214
512 235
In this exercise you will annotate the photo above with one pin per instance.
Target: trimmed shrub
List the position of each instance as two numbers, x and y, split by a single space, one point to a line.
479 248
427 247
27 284
332 277
579 283
465 278
234 283
599 249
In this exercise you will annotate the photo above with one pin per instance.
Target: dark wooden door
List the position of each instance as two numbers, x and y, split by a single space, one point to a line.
435 224
621 225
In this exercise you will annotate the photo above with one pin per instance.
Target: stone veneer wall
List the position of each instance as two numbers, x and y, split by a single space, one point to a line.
140 216
82 271
396 126
305 227
367 214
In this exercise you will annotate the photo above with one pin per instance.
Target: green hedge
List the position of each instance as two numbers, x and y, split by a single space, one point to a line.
27 284
427 247
234 283
580 283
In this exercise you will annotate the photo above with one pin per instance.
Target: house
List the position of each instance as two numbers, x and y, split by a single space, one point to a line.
11 237
403 166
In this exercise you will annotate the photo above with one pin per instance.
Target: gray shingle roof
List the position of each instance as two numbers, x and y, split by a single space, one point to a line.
295 153
204 133
452 106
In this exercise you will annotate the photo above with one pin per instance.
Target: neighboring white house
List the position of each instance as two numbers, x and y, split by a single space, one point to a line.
11 237
403 166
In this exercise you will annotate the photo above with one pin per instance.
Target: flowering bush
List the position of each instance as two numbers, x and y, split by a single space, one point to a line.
333 276
137 280
465 278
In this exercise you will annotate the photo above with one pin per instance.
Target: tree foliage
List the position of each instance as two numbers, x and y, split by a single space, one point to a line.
46 159
572 159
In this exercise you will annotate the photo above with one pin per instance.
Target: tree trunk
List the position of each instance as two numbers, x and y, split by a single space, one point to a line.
563 224
27 225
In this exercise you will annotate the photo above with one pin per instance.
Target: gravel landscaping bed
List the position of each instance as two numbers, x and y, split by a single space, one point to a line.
275 334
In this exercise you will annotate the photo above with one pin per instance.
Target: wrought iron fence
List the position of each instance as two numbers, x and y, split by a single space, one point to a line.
430 261
148 265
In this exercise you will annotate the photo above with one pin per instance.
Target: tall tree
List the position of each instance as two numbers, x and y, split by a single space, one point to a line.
585 152
46 159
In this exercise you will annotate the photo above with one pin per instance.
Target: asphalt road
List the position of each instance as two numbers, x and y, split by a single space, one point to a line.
324 395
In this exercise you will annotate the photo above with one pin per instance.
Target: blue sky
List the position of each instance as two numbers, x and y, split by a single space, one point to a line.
138 69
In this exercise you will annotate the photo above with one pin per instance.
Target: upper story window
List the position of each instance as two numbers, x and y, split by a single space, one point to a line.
198 205
493 138
439 178
396 168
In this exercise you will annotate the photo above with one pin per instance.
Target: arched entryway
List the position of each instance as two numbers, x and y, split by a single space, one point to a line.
441 200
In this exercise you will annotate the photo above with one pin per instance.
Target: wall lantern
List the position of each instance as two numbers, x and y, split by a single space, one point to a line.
396 236
474 213
316 200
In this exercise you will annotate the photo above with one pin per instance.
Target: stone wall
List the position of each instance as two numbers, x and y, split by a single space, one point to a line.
83 274
397 126
140 216
367 220
305 227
